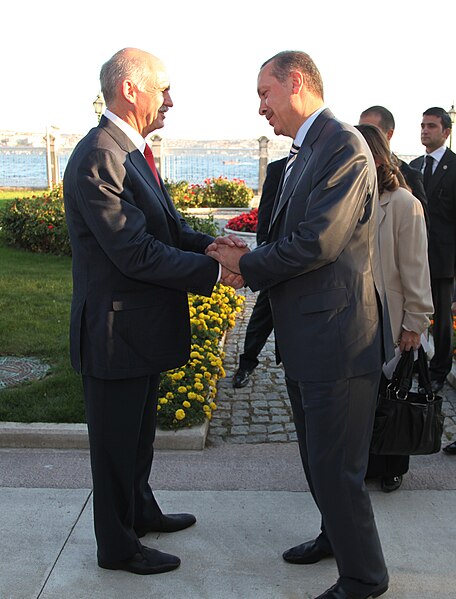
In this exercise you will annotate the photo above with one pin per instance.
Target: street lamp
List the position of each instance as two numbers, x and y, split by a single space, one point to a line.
452 113
98 105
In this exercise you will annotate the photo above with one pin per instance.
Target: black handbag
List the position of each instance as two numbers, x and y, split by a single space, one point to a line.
408 422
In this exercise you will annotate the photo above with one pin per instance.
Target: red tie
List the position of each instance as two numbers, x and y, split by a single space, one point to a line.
151 162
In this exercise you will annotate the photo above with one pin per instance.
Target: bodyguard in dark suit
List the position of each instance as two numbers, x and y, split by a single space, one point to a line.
438 166
384 120
260 323
134 260
321 266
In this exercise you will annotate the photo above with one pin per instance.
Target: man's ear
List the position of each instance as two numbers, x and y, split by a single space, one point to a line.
129 90
297 81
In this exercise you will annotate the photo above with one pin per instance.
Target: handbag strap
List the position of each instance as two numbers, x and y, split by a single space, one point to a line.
401 381
424 374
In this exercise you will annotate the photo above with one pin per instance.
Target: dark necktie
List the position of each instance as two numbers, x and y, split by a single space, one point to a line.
427 172
151 162
289 165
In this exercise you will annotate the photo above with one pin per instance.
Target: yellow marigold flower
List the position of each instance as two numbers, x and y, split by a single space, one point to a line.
175 376
200 398
162 400
198 386
206 408
207 375
186 404
198 375
179 414
216 330
158 408
213 405
182 389
208 415
191 395
169 395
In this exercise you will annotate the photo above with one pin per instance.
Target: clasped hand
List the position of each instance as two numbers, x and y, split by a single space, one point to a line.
228 250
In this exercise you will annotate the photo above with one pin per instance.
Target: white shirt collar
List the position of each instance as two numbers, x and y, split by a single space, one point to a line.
304 128
131 133
437 154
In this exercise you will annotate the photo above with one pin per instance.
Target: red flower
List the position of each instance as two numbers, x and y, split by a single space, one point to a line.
245 222
50 227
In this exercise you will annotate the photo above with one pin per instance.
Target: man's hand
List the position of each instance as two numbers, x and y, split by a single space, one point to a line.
230 278
228 240
227 255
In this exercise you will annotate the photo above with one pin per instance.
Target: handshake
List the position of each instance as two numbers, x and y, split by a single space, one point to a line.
227 251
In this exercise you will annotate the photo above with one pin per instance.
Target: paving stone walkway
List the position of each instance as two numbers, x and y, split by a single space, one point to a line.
260 412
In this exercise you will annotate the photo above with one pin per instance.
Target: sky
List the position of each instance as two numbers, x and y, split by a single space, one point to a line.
396 53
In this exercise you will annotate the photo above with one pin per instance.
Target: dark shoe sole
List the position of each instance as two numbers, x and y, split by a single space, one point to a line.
379 592
303 561
142 571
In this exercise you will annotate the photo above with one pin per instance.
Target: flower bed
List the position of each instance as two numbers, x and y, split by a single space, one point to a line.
246 222
186 395
215 192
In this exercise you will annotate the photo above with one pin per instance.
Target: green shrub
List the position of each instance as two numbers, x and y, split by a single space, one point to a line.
204 224
217 192
37 224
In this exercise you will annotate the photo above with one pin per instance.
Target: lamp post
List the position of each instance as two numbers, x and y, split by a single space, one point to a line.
452 113
98 105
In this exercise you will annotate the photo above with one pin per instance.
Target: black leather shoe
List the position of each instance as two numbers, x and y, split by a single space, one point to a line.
337 592
391 483
306 553
450 449
146 561
167 523
241 378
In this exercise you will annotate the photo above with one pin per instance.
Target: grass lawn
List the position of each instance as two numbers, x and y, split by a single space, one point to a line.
35 297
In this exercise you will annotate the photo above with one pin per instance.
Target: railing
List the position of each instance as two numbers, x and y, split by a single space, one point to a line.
40 168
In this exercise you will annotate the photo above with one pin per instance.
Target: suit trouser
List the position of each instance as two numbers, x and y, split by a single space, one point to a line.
258 330
121 420
442 329
334 422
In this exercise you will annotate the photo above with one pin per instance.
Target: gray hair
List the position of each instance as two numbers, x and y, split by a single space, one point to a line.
293 60
119 67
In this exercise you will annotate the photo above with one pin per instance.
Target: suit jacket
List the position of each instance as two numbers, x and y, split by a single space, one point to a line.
441 197
403 248
271 184
414 179
321 261
134 260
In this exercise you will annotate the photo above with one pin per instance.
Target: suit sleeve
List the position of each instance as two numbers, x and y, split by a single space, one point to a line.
106 203
411 245
327 209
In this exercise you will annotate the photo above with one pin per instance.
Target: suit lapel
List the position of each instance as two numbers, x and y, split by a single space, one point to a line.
439 172
140 163
299 166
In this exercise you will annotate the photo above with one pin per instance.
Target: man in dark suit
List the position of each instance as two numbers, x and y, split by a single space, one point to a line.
384 120
134 260
321 265
260 323
438 166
